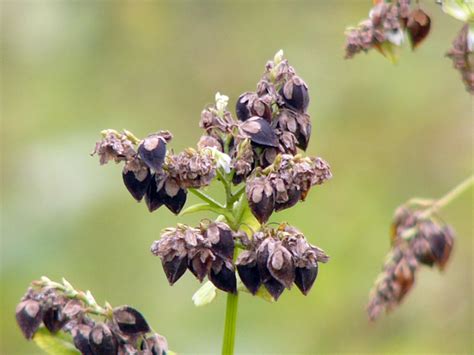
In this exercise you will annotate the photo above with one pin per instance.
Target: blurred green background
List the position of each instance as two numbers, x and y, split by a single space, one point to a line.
71 69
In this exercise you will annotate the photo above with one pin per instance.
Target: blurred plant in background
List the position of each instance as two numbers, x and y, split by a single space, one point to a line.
419 237
390 21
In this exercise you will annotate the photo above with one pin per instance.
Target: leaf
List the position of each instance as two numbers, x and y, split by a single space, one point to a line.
389 51
205 295
57 344
199 207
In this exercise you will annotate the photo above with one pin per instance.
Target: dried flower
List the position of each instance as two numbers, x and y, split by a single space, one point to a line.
114 146
192 168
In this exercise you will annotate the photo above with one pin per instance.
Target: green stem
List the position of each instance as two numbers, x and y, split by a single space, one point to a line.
206 198
449 197
230 324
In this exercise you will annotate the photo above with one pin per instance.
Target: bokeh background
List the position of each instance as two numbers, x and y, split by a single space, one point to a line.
71 69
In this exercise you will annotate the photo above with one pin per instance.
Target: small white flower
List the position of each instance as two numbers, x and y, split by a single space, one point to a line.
204 295
223 160
470 39
459 9
221 102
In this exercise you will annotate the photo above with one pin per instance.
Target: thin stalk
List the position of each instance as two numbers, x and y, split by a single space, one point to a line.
206 198
449 197
230 324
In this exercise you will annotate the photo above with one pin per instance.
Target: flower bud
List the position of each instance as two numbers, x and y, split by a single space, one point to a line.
130 321
29 315
153 149
261 198
295 94
102 340
259 131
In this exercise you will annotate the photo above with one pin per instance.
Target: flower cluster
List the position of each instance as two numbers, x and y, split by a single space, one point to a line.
385 28
59 307
277 258
417 239
284 183
462 55
152 173
206 251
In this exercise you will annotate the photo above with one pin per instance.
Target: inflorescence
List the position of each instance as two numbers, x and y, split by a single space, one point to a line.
462 55
95 330
418 239
386 28
259 153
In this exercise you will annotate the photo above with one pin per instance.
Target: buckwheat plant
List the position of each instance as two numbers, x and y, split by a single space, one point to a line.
391 21
63 320
419 237
256 157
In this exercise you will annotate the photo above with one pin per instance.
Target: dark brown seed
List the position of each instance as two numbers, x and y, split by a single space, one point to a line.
102 340
80 335
225 246
175 268
155 344
28 316
281 266
130 321
294 195
200 265
53 320
295 94
224 280
305 278
153 198
261 198
274 288
260 132
153 151
241 107
250 277
418 27
135 186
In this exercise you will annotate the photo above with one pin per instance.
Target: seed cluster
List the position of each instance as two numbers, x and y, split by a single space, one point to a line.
123 330
462 55
277 258
205 251
284 183
150 172
274 258
416 240
386 25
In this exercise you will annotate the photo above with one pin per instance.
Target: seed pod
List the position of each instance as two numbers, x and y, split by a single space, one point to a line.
165 191
136 179
418 27
280 265
250 104
222 275
153 151
305 278
295 94
80 334
200 262
220 236
28 316
130 321
102 340
53 319
260 132
175 268
261 198
248 271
